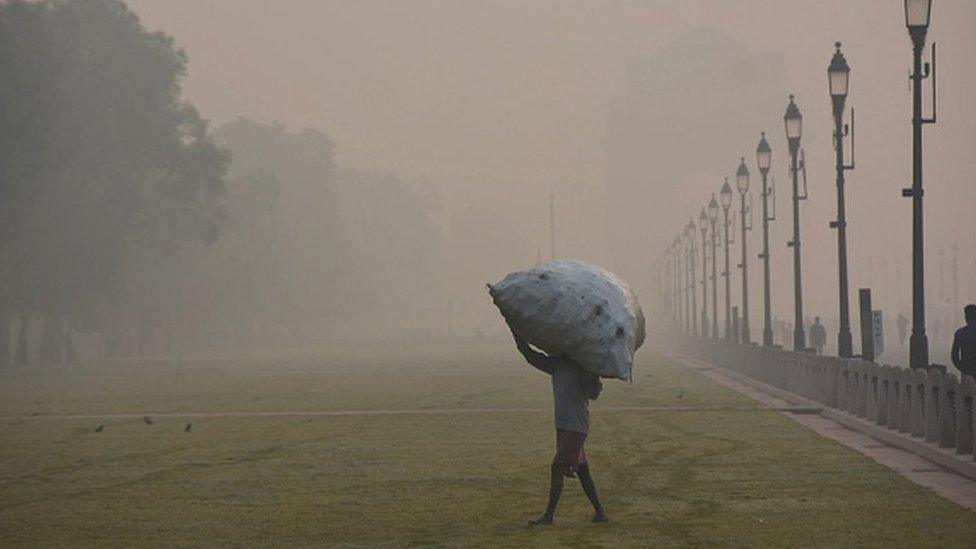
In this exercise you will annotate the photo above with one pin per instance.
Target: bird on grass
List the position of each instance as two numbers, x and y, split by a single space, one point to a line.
680 393
99 428
147 420
188 427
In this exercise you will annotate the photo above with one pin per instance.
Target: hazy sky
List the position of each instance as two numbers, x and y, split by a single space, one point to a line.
497 103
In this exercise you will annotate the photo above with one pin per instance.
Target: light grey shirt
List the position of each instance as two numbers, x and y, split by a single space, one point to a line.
572 406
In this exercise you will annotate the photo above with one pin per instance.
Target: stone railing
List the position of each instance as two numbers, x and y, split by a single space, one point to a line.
927 405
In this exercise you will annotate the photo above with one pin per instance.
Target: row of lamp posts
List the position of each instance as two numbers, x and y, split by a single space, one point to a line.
682 257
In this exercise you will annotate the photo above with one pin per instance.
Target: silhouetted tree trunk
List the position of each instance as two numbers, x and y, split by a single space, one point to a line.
20 358
4 337
52 339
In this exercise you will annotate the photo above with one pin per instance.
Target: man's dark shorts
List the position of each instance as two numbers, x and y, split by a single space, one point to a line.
569 451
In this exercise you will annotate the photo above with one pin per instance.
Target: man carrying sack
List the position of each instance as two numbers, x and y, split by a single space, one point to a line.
589 323
572 390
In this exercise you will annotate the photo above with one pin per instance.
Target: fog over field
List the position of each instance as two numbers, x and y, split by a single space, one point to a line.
244 250
373 164
483 110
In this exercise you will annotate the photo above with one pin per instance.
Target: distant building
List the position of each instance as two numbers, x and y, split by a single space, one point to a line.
692 109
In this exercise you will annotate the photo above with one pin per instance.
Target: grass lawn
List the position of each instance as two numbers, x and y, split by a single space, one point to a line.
670 477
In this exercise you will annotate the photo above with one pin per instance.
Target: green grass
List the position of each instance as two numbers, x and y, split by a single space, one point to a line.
733 476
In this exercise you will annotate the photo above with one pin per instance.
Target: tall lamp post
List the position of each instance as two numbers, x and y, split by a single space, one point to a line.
838 77
691 305
917 15
726 197
703 227
670 266
712 218
742 184
793 122
676 280
679 260
764 156
679 257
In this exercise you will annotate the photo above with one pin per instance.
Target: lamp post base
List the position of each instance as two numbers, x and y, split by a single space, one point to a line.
799 340
919 351
845 345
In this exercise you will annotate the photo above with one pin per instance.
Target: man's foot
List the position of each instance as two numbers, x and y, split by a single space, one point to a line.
600 518
541 521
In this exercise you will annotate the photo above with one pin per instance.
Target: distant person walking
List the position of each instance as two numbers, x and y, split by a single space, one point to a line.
964 344
818 335
572 390
902 329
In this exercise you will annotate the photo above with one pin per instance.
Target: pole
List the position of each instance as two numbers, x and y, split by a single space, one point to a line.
767 306
745 276
844 341
693 312
918 342
714 282
684 284
675 284
799 341
704 317
728 280
867 325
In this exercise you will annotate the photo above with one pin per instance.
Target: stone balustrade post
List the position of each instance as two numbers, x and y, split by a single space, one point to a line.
884 394
905 397
964 415
871 390
948 411
919 397
933 404
861 393
844 391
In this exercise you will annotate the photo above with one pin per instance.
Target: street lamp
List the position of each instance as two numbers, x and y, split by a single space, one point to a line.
691 304
712 218
793 123
726 198
679 294
917 15
838 78
703 227
742 184
673 281
764 156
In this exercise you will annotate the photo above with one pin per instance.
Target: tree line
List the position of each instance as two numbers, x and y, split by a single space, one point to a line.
125 219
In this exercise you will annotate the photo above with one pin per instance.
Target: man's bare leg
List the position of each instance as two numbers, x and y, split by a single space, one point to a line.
555 490
590 489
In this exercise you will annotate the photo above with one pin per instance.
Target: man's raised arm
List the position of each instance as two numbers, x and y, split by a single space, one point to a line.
539 360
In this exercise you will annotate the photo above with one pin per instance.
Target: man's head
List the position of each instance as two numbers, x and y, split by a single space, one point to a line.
816 320
970 312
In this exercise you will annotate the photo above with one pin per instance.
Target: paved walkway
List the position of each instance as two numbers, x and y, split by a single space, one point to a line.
915 468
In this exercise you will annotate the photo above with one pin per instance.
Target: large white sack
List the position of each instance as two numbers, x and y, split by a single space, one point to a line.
574 309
